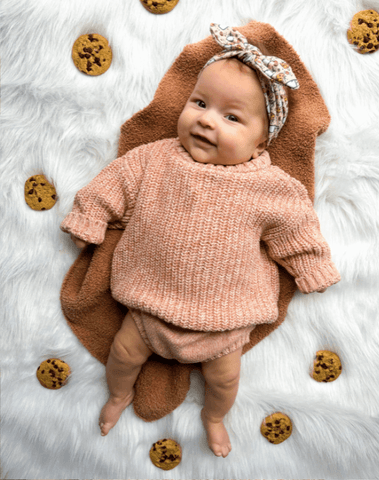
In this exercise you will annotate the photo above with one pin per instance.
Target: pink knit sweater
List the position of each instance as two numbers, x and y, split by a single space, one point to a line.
201 240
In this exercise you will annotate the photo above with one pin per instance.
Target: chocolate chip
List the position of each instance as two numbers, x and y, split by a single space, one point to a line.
288 428
48 361
43 208
51 371
60 383
269 424
43 184
277 422
35 184
89 64
40 199
276 435
33 179
370 45
38 368
81 55
155 4
56 366
90 37
360 21
31 191
97 61
370 25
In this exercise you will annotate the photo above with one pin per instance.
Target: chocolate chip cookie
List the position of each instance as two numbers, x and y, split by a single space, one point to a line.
326 366
364 31
166 454
276 427
92 54
53 373
159 6
39 193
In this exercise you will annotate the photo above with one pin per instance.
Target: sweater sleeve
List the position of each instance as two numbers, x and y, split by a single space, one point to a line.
293 236
106 198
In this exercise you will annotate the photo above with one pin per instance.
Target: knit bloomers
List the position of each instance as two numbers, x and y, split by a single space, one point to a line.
187 346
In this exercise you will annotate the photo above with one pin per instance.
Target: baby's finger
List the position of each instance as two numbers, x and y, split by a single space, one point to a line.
78 241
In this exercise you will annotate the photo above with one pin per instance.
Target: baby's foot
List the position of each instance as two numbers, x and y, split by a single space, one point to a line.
217 436
112 410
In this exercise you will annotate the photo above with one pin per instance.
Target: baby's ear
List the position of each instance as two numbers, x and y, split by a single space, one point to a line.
259 149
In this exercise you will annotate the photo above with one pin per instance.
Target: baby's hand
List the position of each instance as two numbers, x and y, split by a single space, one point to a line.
78 241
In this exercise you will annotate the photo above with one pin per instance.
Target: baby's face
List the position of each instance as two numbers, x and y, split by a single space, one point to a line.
228 108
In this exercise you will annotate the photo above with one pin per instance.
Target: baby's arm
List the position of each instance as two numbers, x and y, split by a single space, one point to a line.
294 239
106 198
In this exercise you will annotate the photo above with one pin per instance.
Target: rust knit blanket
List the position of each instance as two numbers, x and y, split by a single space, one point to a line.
86 300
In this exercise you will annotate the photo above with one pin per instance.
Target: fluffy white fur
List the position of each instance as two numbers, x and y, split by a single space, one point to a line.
65 124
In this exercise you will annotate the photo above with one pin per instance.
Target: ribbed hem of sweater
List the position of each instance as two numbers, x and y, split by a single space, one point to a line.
80 226
323 277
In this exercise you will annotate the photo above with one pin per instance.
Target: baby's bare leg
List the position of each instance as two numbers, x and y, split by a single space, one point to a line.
221 387
127 355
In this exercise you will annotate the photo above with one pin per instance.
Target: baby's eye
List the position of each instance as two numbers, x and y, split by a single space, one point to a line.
199 101
236 119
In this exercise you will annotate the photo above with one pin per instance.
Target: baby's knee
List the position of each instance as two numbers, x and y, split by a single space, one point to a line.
126 350
223 372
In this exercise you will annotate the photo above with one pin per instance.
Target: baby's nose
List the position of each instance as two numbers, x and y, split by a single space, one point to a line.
207 119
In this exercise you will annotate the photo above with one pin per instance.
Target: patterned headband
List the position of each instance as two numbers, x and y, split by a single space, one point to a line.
272 73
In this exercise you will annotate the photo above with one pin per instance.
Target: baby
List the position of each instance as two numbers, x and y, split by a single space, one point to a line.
190 265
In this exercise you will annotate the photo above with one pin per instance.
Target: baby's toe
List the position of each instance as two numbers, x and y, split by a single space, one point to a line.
105 428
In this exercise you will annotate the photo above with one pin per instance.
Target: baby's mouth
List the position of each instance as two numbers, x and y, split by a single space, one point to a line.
203 139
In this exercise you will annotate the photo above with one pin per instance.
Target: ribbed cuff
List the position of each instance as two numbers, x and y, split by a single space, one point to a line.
323 277
87 229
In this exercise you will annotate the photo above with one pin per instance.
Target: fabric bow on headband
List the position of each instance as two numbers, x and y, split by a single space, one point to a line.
272 72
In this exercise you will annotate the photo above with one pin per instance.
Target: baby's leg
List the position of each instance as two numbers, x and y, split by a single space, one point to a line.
127 355
221 387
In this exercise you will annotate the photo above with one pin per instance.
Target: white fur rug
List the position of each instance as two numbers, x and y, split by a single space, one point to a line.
60 122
